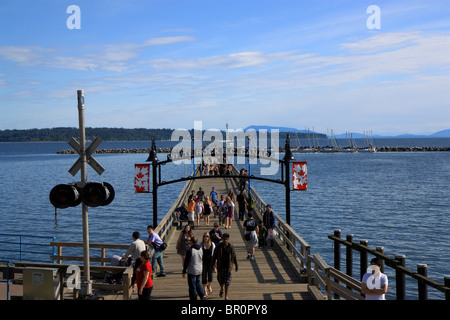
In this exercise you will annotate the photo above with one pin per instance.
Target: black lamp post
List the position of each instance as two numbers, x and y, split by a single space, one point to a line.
287 160
288 157
154 160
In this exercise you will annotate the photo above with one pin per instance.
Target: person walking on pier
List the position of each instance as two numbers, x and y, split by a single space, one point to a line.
207 206
155 242
250 236
269 220
191 210
242 201
262 234
213 196
183 242
216 234
200 193
223 259
193 266
374 284
229 212
221 209
208 250
199 208
144 276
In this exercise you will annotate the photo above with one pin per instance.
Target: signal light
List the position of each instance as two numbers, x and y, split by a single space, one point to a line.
93 194
96 194
65 195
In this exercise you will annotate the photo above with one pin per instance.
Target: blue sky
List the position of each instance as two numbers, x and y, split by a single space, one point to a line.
166 64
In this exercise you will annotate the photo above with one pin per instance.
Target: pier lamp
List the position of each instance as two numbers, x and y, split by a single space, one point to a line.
152 157
288 157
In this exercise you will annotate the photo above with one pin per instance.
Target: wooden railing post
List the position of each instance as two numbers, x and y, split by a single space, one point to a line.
422 287
400 277
447 287
308 265
337 250
337 255
126 281
103 255
328 284
381 250
349 256
363 259
59 252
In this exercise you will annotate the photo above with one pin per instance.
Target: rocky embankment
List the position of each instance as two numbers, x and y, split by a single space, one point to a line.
119 150
412 149
167 150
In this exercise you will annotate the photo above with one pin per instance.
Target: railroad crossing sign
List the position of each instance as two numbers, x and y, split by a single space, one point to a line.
89 158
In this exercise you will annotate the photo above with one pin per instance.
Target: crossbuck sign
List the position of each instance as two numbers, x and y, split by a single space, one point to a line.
89 158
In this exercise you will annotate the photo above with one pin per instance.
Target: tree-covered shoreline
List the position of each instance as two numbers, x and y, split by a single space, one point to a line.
107 134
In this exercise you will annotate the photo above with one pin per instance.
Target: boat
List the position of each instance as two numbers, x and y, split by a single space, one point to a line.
352 148
369 140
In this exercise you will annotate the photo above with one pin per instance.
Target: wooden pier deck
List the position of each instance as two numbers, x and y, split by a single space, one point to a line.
269 277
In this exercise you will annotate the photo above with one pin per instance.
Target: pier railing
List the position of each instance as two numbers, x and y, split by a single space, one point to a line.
316 272
398 264
170 220
297 247
342 285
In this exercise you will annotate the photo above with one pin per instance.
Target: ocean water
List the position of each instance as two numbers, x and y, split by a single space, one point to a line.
398 200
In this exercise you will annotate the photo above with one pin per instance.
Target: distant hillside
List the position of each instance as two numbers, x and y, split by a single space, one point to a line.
65 134
140 134
301 134
112 134
441 134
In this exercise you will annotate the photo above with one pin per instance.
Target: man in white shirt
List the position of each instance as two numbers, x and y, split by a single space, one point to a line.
135 248
374 283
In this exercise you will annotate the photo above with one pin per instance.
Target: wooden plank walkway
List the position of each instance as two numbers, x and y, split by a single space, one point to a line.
269 277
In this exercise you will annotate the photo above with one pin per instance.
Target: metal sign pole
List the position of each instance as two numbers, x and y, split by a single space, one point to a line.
87 284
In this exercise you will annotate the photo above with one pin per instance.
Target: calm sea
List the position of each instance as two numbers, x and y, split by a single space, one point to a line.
398 200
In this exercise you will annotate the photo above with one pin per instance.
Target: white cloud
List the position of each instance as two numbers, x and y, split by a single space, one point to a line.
24 55
110 57
228 61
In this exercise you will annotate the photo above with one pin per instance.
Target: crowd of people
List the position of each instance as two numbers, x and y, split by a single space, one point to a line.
213 253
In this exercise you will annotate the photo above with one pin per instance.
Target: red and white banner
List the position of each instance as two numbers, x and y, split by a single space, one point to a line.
142 178
299 175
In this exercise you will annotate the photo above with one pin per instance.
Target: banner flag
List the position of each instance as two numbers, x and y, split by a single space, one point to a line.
142 178
299 175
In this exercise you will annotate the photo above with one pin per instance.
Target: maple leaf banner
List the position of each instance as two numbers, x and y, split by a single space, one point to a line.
142 178
299 175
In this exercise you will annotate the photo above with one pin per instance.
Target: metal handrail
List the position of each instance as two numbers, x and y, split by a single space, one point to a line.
21 243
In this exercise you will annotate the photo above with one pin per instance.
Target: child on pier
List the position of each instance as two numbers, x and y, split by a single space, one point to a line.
262 234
